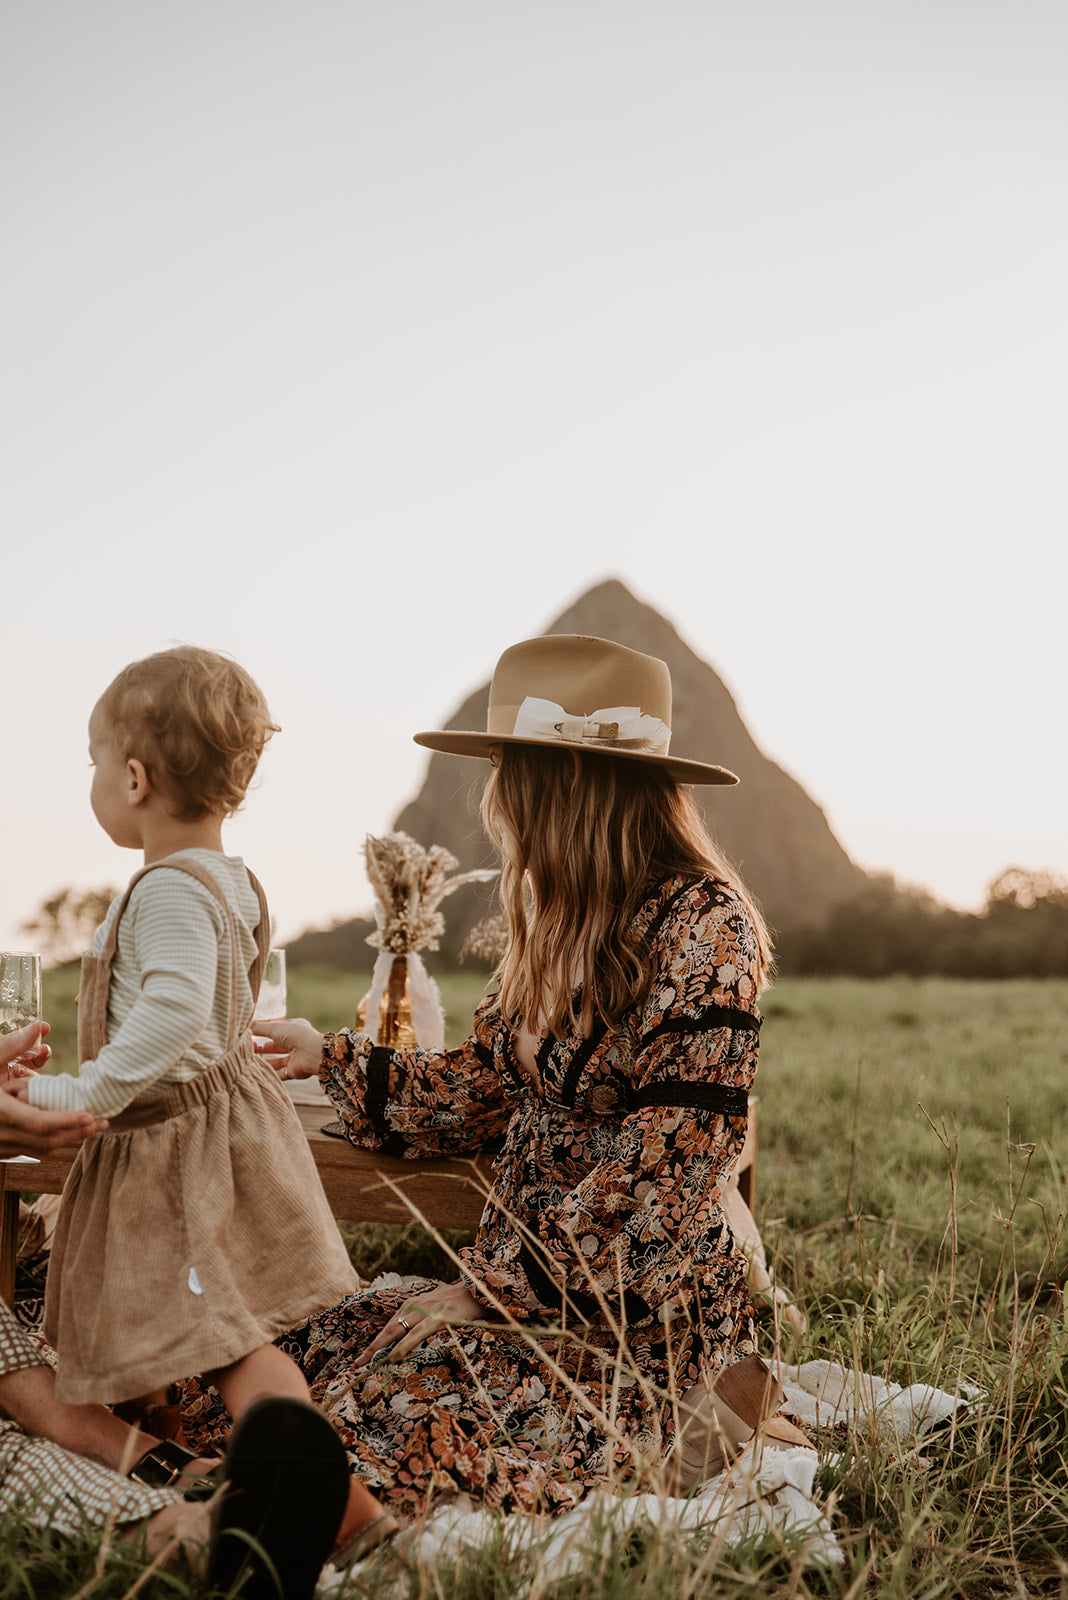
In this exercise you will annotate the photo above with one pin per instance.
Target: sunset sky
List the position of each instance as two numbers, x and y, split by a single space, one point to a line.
359 339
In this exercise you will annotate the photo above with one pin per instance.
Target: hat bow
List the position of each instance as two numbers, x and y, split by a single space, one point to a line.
614 727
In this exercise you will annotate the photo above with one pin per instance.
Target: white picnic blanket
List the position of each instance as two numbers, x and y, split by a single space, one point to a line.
822 1393
766 1489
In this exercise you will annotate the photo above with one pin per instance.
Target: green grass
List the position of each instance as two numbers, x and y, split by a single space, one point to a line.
884 1100
911 1186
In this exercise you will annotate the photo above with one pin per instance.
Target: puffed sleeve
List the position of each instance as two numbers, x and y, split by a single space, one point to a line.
636 1226
416 1102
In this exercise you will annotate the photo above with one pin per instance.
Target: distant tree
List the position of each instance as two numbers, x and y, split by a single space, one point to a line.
1026 923
889 927
1022 932
64 924
1024 889
342 946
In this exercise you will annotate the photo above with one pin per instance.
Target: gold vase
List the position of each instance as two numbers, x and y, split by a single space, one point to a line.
395 1028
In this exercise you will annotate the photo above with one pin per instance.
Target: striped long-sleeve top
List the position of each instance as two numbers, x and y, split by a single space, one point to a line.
169 1003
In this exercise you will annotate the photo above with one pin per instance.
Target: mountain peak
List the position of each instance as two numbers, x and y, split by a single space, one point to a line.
772 831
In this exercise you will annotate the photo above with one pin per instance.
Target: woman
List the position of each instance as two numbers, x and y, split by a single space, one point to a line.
615 1059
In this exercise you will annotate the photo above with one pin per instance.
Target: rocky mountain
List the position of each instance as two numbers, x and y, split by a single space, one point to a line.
771 830
776 836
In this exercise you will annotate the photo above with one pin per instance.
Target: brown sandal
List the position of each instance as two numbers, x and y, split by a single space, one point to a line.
778 1431
366 1538
716 1423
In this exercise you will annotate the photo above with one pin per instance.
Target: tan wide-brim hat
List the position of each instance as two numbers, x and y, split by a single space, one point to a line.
572 692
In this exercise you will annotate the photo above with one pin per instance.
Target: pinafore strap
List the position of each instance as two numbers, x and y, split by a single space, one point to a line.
263 939
96 970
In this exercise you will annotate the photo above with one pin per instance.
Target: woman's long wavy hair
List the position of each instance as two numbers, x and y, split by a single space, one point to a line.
583 841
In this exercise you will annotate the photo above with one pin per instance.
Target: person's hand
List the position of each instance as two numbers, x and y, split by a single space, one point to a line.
26 1130
294 1047
445 1306
24 1052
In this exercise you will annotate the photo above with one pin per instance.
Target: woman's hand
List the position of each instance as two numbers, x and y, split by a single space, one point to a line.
294 1047
446 1306
24 1052
26 1130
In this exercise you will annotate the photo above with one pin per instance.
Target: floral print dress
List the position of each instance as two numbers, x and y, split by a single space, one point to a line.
603 1241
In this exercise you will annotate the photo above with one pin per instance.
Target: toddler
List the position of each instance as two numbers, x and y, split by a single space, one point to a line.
194 1230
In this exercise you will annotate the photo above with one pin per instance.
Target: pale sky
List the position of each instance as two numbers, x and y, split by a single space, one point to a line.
358 339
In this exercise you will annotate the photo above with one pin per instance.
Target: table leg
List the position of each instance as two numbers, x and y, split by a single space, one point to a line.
9 1243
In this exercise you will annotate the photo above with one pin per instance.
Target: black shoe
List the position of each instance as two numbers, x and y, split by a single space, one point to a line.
287 1485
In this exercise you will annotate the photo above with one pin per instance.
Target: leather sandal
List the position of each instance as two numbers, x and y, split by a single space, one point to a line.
778 1431
715 1424
373 1525
366 1538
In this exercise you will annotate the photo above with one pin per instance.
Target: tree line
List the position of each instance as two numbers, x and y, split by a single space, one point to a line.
1021 932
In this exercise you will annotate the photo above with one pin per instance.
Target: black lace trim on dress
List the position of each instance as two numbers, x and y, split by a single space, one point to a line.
511 1065
665 910
378 1064
484 1055
569 1087
706 1021
588 1306
724 1098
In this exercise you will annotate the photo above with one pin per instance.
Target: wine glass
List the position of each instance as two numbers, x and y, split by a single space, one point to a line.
272 1003
20 989
272 996
20 1002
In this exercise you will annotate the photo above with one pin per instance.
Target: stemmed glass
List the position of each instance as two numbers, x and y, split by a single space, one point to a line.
272 995
20 1002
20 989
272 1003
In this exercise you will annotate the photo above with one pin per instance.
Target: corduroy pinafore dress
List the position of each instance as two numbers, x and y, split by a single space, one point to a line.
195 1229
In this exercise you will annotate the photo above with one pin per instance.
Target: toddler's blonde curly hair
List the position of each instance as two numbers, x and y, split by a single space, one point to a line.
196 720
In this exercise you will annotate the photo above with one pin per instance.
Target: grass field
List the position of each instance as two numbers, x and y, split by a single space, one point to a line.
911 1187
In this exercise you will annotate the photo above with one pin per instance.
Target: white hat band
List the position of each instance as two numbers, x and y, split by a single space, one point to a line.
613 727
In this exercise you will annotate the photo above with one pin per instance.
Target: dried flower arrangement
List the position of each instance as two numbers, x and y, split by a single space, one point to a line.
409 884
488 939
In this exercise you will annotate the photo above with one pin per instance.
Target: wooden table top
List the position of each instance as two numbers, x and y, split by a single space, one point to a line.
361 1185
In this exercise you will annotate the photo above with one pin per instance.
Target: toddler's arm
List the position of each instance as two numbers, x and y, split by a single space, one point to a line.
175 927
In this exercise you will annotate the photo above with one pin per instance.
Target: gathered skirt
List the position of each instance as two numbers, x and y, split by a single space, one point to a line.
193 1231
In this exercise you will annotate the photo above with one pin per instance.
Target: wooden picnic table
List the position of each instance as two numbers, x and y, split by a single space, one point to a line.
361 1185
